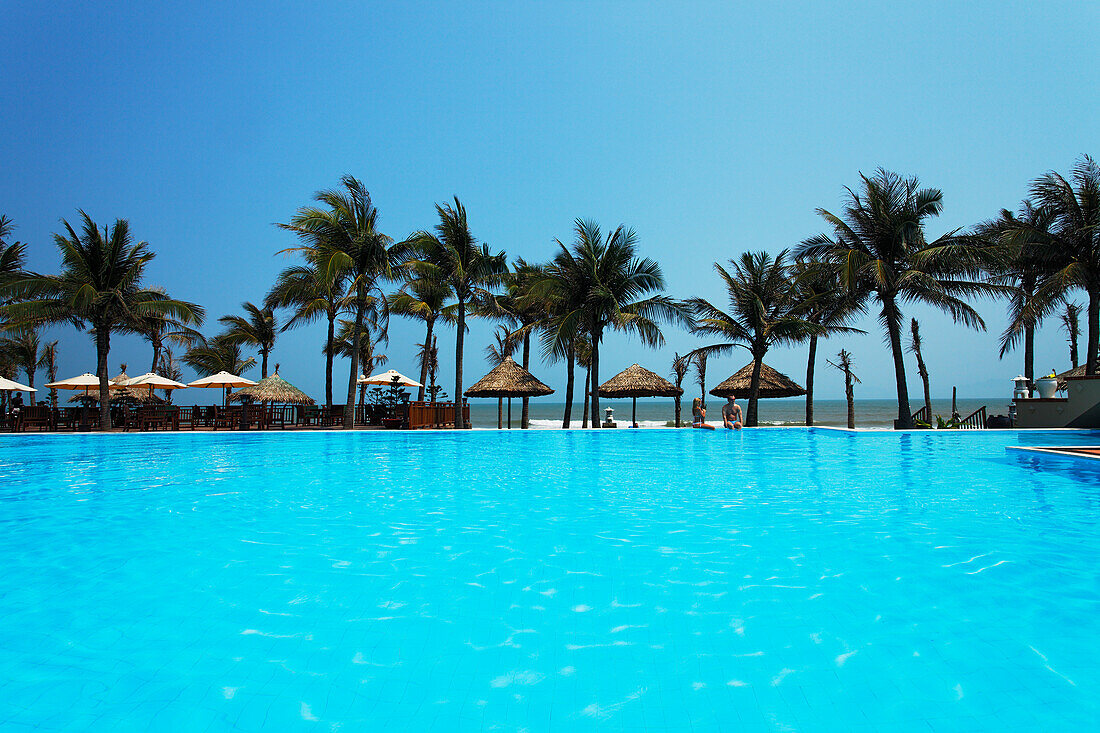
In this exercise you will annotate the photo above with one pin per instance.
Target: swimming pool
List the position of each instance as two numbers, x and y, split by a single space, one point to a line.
615 580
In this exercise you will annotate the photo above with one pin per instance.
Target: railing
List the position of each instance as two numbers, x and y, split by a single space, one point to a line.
923 415
974 421
435 414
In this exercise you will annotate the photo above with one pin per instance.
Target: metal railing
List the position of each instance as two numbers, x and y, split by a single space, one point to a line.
974 421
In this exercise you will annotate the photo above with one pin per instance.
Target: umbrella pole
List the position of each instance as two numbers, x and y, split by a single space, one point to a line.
634 412
509 413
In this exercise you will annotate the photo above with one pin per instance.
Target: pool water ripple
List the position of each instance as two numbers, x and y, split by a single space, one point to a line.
761 580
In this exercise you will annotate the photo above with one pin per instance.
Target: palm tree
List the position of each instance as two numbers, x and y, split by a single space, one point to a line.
311 292
451 255
878 250
159 330
423 298
368 360
1068 246
218 354
700 358
830 307
24 350
844 364
764 311
258 328
48 361
521 305
169 367
1071 325
343 238
610 282
558 287
1020 267
922 370
496 353
680 364
100 288
12 255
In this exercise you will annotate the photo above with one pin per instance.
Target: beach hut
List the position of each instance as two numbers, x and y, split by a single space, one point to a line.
508 379
222 380
273 390
635 382
772 383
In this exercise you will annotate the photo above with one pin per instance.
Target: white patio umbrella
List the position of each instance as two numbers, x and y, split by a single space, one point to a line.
7 385
152 381
385 379
221 380
85 382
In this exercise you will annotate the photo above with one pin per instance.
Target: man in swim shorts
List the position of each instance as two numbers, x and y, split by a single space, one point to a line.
731 414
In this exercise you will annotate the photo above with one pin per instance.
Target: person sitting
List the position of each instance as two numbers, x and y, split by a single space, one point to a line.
699 414
731 414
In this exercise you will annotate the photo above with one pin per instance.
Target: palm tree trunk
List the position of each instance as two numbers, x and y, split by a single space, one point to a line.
500 413
676 407
525 410
893 327
754 391
1094 331
102 348
1029 352
424 366
459 421
263 370
594 380
849 394
922 370
356 336
156 354
570 359
328 358
587 384
810 380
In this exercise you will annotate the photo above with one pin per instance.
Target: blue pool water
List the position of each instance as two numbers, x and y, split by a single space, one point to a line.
616 580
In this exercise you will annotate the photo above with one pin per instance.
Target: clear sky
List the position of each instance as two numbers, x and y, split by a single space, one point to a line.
711 128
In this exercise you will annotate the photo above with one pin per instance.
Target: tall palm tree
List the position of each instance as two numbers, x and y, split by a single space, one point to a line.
24 349
878 250
700 359
1020 268
423 298
258 328
48 361
529 312
680 364
559 289
612 284
99 288
827 304
764 310
451 255
844 364
343 237
1068 247
922 370
1071 325
311 292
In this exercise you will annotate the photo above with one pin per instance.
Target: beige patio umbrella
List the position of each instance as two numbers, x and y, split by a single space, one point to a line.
222 380
386 379
508 379
635 382
151 381
86 382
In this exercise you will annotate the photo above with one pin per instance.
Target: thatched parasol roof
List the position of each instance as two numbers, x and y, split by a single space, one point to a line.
508 379
772 383
1077 371
273 389
123 396
636 381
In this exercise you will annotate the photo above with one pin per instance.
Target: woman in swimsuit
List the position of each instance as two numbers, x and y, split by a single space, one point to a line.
698 413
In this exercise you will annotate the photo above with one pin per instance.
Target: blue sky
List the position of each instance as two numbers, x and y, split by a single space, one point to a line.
711 128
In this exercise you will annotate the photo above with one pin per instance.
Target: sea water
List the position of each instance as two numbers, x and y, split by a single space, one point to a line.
771 579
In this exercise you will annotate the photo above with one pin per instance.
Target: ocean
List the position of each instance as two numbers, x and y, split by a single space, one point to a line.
658 413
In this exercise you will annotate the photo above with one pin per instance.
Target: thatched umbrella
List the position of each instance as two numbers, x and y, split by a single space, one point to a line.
1077 371
273 389
772 383
635 382
508 379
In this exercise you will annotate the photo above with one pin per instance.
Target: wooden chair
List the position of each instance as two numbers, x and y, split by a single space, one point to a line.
35 416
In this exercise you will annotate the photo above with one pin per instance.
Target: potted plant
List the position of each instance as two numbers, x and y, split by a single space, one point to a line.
1047 386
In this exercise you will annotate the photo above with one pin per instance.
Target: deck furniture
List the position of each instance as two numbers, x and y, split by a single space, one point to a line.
35 416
